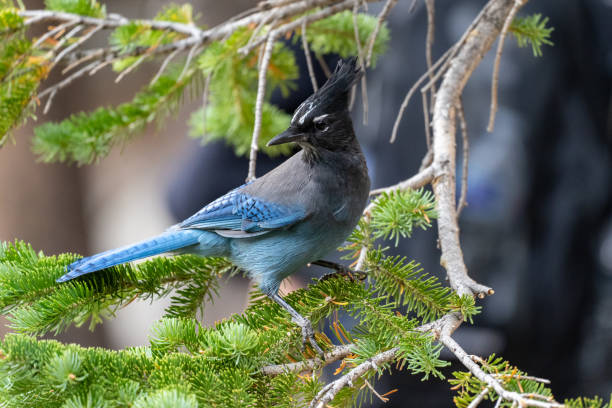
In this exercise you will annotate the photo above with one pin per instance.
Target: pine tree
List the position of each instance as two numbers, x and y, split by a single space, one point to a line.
404 315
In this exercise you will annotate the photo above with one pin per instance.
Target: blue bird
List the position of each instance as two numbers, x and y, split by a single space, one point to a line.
295 214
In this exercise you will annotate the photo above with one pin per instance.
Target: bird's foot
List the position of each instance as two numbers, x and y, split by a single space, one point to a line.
308 336
340 270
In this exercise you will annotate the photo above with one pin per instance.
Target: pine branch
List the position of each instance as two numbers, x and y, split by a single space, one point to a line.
37 304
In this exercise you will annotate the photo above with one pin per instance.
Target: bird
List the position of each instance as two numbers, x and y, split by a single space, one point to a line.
293 215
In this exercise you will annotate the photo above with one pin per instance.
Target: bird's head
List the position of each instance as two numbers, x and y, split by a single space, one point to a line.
322 120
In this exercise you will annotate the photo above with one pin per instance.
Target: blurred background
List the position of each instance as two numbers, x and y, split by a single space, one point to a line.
538 227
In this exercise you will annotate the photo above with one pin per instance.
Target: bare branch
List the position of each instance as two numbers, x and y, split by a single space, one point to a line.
468 56
431 26
131 68
261 90
465 147
323 65
500 46
79 58
417 181
476 401
364 85
328 392
297 23
190 55
311 72
414 87
205 101
51 33
379 21
164 64
112 21
447 323
67 81
81 40
490 380
338 353
427 121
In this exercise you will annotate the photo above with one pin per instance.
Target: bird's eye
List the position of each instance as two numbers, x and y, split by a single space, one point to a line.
321 126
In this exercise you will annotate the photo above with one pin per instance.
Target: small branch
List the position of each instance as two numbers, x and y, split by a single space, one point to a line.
259 101
338 353
297 23
323 65
380 397
79 58
467 58
476 401
328 393
311 72
500 46
205 101
190 55
465 147
431 26
81 40
523 377
364 85
464 358
414 87
417 181
382 16
164 64
448 323
112 21
67 81
427 121
51 33
131 68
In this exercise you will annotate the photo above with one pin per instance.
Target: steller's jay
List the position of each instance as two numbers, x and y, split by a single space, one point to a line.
293 215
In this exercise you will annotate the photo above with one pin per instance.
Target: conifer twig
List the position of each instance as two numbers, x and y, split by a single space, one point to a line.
476 401
360 58
311 72
420 179
520 399
500 46
323 65
261 90
80 41
379 22
465 148
68 80
338 352
431 26
164 64
411 91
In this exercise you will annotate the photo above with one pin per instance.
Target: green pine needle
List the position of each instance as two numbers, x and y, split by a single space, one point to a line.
532 30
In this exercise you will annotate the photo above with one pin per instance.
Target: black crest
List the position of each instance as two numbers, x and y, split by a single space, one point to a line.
332 96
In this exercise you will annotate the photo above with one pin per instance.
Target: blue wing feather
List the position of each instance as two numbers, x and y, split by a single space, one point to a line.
247 215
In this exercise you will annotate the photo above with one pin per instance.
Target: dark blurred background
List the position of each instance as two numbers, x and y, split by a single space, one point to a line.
538 227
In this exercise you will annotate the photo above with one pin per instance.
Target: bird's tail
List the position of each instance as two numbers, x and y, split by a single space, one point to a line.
168 241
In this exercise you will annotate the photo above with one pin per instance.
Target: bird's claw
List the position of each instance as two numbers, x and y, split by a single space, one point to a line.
352 275
308 336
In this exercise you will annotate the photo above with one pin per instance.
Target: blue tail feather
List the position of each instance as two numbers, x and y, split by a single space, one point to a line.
169 241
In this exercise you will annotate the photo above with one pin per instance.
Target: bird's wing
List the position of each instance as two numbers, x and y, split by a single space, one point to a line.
238 215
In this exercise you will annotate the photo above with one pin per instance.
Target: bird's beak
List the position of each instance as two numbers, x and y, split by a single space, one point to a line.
289 135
